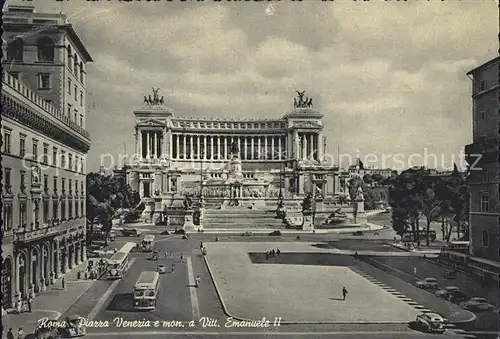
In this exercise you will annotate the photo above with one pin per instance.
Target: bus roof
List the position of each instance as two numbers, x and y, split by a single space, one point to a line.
149 237
147 278
127 247
118 257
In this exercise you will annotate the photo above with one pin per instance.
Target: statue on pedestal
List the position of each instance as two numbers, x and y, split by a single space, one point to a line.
307 202
35 175
235 149
187 202
301 102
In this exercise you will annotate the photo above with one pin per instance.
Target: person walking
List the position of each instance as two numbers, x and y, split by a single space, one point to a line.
344 293
20 333
10 335
267 255
63 283
415 271
197 281
278 252
182 257
173 268
29 304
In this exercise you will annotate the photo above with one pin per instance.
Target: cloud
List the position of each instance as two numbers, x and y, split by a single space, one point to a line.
388 76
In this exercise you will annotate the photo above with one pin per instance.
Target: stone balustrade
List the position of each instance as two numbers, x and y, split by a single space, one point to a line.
23 235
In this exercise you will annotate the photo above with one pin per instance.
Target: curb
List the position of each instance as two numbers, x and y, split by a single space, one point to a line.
226 311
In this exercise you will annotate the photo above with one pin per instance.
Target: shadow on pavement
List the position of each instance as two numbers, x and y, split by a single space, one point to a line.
317 259
123 302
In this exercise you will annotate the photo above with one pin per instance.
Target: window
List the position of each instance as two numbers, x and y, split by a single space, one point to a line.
54 156
46 49
485 203
55 209
69 56
63 209
43 81
76 209
81 120
75 64
7 217
6 141
15 50
483 115
22 213
45 154
45 183
76 93
45 211
81 207
70 209
63 159
21 182
69 110
63 185
35 150
81 186
54 183
70 186
7 180
69 86
485 239
81 98
81 72
70 161
482 85
22 145
74 119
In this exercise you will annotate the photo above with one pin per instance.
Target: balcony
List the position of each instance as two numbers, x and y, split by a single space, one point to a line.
486 148
24 235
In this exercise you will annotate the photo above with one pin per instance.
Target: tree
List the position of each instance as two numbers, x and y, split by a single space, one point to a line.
431 208
400 221
378 178
367 178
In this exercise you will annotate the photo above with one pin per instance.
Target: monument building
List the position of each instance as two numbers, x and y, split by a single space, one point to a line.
43 150
232 162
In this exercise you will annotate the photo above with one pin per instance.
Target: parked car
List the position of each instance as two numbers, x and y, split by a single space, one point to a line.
92 254
478 304
131 232
431 322
457 296
427 283
357 233
276 233
161 269
445 292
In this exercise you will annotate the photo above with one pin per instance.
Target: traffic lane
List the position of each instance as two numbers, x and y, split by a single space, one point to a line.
85 304
467 284
208 300
405 286
173 302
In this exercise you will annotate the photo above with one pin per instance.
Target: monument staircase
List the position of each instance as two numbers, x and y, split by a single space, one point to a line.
241 217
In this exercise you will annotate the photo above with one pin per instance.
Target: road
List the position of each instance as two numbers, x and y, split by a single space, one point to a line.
181 302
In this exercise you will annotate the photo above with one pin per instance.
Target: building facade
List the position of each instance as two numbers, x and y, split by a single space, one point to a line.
230 158
482 156
43 152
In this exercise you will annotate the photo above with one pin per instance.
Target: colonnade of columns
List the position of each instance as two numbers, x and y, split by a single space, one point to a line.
150 143
213 147
309 146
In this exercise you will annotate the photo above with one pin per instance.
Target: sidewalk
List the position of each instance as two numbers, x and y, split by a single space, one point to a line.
420 250
51 303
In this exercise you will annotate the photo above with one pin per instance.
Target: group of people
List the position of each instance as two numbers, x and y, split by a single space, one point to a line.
273 253
20 333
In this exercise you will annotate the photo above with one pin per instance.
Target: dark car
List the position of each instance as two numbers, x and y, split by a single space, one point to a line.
457 296
357 233
276 233
131 232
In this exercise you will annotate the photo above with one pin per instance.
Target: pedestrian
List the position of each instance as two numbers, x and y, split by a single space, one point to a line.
173 267
29 304
278 252
415 271
267 255
63 283
20 333
197 281
201 245
272 252
344 292
356 255
182 257
10 335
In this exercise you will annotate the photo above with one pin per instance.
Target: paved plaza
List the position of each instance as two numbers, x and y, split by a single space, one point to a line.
298 293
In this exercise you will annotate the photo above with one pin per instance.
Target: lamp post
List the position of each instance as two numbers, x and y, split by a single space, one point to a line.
201 175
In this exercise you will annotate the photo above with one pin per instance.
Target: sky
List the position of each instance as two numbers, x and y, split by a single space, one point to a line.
389 77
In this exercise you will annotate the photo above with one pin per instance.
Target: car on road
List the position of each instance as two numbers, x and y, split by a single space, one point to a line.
161 269
431 322
131 232
445 292
457 296
112 235
478 304
427 283
357 233
92 254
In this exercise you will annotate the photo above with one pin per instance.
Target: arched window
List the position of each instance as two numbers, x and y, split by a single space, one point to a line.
46 49
485 239
75 64
69 57
15 50
81 72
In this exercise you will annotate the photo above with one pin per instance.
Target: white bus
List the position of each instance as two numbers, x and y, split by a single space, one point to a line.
148 243
117 264
146 290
